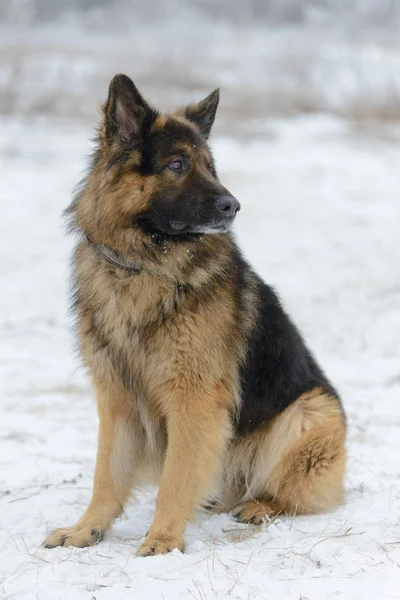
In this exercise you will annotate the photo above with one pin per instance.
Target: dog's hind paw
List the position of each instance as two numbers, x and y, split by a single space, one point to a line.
256 512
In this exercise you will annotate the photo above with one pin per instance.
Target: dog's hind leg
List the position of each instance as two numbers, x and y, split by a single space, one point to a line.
295 464
113 475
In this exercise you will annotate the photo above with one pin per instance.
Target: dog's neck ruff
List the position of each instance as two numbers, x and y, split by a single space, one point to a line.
115 258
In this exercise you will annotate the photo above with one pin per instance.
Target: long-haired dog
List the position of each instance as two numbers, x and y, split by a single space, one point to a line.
203 383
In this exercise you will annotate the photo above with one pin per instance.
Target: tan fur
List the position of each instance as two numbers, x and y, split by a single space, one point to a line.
160 122
113 476
296 462
178 389
164 349
199 427
256 511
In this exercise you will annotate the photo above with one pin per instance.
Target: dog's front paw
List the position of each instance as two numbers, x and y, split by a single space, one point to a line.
79 536
159 544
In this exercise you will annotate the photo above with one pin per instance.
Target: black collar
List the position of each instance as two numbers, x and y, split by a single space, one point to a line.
115 258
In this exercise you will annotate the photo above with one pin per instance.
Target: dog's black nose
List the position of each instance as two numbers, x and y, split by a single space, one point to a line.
228 205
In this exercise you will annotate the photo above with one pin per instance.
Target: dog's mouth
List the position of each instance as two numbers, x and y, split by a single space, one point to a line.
221 226
182 230
178 226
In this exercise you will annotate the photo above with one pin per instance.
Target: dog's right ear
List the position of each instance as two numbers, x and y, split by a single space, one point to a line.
124 111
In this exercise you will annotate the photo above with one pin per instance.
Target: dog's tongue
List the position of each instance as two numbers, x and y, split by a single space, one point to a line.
177 225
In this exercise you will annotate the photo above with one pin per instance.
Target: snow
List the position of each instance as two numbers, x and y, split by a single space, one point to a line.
320 219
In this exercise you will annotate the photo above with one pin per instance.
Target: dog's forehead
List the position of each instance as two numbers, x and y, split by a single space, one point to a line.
169 133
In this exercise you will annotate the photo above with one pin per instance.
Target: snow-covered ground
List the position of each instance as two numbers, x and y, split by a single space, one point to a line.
320 220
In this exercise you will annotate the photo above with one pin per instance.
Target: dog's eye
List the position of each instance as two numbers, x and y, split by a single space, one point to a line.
176 165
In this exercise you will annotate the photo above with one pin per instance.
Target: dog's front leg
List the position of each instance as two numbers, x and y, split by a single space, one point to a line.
114 471
198 428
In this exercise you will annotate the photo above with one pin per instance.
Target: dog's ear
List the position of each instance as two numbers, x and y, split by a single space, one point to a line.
124 111
203 113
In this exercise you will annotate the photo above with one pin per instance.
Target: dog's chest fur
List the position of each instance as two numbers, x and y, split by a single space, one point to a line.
153 335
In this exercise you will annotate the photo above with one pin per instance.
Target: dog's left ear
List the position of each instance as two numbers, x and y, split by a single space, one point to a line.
203 113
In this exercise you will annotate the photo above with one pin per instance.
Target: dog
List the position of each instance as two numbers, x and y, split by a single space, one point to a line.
203 383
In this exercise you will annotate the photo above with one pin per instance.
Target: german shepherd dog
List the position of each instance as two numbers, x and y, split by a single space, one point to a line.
203 383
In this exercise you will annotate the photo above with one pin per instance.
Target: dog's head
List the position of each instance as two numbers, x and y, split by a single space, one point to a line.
156 172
